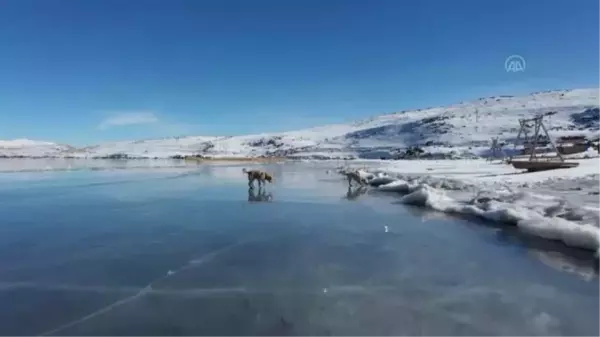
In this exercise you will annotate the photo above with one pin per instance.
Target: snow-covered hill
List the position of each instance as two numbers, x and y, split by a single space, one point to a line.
31 148
465 128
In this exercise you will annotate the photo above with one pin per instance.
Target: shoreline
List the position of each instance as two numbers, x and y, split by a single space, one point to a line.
40 165
236 159
557 205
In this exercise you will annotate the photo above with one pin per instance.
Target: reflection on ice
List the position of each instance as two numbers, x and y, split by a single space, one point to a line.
353 194
259 195
562 262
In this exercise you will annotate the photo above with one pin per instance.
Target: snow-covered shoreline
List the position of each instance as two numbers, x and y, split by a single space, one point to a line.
559 204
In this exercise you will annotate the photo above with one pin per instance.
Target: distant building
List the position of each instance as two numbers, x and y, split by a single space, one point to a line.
573 144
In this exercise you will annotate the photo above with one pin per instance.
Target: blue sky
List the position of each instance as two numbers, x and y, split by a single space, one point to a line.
83 72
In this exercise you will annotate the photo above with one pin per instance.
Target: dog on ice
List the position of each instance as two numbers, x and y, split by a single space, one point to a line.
261 176
356 177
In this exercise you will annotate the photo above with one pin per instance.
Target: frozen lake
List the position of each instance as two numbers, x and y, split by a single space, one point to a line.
191 251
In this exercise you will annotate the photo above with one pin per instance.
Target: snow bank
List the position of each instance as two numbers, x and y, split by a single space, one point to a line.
539 207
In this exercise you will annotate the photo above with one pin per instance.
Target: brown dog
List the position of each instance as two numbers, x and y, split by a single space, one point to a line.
260 176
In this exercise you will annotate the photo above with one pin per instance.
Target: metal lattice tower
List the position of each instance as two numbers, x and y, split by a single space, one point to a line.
538 125
496 149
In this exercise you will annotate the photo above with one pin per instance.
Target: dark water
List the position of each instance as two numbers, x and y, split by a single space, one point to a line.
194 252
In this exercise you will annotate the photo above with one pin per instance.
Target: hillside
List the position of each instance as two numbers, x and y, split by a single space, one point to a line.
31 148
464 128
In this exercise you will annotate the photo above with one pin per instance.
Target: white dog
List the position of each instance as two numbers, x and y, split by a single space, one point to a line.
355 176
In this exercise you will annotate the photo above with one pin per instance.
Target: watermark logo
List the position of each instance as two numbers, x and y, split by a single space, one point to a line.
515 64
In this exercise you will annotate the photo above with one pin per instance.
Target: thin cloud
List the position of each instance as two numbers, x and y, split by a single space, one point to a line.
128 118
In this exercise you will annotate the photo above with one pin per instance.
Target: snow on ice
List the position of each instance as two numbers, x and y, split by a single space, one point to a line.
558 204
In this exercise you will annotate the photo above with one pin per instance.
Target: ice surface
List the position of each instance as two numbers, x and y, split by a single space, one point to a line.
133 251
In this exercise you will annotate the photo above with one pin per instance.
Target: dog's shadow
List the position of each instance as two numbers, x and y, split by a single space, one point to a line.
259 195
357 192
